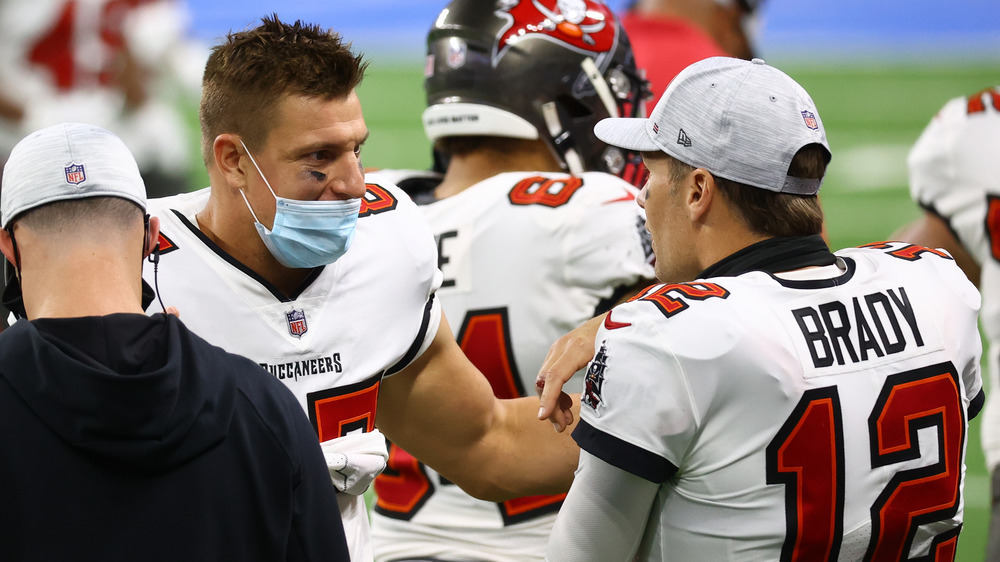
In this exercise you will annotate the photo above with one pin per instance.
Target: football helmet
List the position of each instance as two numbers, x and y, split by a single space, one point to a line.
534 69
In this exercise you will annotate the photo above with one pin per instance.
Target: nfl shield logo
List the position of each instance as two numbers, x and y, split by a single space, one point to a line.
296 322
810 118
75 174
457 51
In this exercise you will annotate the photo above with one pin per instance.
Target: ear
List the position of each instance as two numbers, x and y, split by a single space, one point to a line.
228 154
701 191
153 236
7 246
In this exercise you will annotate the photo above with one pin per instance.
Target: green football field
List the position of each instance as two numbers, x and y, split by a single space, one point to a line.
873 114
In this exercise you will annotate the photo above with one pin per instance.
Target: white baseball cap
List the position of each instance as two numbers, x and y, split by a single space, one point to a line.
68 161
740 120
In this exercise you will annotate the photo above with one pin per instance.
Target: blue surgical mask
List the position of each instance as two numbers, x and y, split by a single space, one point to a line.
306 234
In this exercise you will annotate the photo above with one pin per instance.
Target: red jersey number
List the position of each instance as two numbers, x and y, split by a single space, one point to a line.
993 225
672 298
549 192
807 458
338 411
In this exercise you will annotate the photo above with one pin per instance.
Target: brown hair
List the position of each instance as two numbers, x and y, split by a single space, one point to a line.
79 216
252 70
769 212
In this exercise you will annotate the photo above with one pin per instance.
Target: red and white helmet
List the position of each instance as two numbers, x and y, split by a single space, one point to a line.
534 69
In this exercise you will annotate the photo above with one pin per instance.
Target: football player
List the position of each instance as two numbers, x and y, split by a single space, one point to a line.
536 233
955 177
771 399
329 283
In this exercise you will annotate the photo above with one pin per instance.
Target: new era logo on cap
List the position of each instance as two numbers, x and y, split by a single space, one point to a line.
683 139
75 174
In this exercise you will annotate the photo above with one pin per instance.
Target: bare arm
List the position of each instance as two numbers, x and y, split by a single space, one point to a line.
442 410
932 231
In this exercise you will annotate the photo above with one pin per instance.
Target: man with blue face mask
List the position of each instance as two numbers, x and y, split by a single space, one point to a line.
306 234
289 258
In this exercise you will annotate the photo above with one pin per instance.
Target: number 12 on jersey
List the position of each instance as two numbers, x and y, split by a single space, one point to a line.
807 457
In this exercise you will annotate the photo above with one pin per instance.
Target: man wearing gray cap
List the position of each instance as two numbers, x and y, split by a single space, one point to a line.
126 436
771 399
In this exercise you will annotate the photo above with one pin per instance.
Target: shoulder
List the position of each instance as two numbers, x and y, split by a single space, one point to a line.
391 225
679 319
955 154
187 204
418 184
270 401
929 269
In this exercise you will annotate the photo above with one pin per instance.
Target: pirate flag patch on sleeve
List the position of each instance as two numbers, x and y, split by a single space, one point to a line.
594 380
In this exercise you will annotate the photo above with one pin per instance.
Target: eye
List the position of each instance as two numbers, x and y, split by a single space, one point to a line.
357 150
319 155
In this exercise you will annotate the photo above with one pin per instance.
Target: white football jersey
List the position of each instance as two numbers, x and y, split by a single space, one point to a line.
363 317
955 174
779 415
526 257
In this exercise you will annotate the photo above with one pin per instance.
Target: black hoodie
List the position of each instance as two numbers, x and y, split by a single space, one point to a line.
127 437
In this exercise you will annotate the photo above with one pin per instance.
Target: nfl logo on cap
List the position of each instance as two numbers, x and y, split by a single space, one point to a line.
810 118
296 322
75 174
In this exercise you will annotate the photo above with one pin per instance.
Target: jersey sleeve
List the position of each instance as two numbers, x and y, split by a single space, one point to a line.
953 168
637 412
609 246
604 514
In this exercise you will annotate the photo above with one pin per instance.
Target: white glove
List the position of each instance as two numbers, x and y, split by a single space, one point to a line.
355 460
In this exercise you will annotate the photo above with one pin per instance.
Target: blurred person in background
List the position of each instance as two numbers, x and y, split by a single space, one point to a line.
537 233
955 178
125 65
668 35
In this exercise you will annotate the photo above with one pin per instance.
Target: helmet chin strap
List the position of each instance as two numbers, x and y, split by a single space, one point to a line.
600 86
558 135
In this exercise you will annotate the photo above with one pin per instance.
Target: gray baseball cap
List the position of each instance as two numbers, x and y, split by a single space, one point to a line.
740 120
68 161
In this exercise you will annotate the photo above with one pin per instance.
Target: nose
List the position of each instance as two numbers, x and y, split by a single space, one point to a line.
641 199
349 182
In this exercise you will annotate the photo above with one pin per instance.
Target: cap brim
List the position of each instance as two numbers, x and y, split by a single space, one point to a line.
626 132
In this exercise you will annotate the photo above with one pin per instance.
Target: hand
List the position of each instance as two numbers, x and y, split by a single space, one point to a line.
355 460
567 355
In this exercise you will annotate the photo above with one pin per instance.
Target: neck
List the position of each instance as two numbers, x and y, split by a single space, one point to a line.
467 170
82 280
225 221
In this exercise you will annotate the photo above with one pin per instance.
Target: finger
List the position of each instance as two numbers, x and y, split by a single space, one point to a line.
549 399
